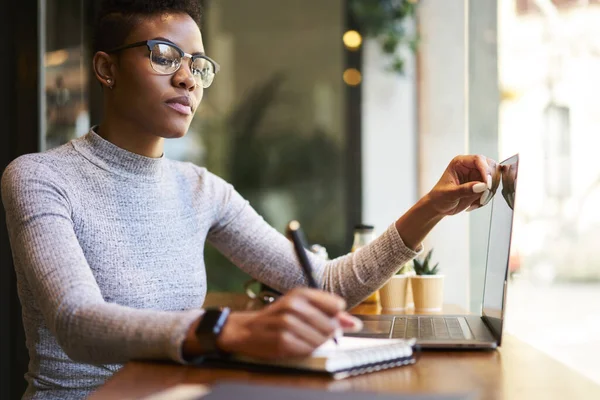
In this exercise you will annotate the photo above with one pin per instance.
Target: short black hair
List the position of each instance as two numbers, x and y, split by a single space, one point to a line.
116 18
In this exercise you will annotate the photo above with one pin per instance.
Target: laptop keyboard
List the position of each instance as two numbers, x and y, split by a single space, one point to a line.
427 328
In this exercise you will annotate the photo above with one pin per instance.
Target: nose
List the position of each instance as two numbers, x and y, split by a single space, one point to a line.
184 78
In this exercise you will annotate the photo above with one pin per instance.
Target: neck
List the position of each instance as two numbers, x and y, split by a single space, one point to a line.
130 137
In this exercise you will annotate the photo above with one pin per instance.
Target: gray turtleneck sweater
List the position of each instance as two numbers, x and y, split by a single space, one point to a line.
108 250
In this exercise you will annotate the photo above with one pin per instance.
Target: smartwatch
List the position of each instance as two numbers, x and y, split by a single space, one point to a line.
210 328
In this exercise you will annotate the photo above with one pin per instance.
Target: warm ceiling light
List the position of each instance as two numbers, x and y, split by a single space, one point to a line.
352 77
352 40
55 58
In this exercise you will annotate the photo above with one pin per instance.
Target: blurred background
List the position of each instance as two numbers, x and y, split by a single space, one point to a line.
341 112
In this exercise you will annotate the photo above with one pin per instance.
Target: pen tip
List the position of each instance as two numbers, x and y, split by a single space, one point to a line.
294 225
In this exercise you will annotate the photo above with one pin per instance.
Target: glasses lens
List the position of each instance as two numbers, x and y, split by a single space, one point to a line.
165 59
204 71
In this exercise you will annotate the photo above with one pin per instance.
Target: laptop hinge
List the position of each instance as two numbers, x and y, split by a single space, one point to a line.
489 326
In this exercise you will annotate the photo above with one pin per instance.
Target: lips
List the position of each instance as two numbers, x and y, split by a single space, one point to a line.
181 104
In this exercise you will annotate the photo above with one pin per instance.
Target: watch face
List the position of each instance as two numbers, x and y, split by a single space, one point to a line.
209 328
212 321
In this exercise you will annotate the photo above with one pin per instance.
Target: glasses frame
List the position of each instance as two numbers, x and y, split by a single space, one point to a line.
152 42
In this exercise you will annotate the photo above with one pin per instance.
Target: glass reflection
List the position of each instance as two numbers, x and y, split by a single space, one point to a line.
66 74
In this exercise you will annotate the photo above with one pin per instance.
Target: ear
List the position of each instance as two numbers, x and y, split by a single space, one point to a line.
104 69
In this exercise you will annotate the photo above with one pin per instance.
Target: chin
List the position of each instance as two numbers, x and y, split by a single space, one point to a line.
174 131
172 135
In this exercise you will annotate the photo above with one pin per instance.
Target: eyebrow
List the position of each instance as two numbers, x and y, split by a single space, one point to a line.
198 53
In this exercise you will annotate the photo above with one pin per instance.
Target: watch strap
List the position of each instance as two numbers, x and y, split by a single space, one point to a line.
209 329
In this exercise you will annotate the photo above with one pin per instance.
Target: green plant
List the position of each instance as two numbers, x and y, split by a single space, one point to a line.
406 268
260 158
422 267
385 20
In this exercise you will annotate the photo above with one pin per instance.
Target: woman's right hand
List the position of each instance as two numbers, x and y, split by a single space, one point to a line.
295 325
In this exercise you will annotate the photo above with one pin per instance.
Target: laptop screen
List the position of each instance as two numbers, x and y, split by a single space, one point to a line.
498 253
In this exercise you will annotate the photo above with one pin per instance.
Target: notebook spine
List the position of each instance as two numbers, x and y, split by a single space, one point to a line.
374 367
379 355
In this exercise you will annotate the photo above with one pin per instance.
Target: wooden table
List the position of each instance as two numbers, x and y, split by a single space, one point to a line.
515 371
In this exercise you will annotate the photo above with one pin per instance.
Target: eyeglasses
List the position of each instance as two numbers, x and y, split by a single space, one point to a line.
166 59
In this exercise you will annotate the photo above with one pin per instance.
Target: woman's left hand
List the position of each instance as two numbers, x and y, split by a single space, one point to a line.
469 182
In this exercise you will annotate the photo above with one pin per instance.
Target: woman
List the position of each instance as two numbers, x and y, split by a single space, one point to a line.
108 235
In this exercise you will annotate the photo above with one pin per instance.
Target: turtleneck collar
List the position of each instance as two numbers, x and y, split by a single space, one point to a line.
113 158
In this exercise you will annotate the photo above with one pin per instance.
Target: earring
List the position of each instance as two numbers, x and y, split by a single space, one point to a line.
109 82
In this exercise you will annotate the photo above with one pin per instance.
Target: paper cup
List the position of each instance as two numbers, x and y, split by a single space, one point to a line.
428 292
393 294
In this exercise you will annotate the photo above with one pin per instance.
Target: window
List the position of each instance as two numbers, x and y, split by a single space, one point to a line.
533 6
550 91
67 72
273 122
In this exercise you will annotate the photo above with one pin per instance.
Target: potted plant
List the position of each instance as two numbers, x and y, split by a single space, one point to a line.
385 22
427 285
408 269
392 295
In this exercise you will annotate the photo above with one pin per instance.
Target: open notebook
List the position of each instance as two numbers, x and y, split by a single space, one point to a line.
352 356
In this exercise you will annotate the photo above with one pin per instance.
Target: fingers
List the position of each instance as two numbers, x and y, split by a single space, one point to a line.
478 187
295 325
472 207
475 169
329 303
486 197
288 344
481 163
491 171
302 330
496 173
302 320
471 189
315 308
349 323
279 344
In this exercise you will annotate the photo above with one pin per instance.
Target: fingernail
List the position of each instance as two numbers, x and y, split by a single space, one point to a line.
485 197
489 182
339 332
479 187
358 324
473 207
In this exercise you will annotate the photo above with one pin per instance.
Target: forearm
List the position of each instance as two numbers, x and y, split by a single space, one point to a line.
268 256
192 348
417 222
108 333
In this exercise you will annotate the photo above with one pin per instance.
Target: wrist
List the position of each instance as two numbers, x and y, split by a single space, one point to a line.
417 222
191 346
427 204
201 336
234 332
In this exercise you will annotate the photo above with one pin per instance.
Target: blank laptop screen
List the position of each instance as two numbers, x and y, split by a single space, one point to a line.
499 246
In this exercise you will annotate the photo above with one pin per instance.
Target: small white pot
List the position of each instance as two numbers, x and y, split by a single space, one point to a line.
392 295
410 302
428 292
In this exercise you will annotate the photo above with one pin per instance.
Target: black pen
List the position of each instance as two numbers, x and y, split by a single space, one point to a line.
294 232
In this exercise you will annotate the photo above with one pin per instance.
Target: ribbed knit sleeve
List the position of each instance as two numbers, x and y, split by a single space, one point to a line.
88 328
267 255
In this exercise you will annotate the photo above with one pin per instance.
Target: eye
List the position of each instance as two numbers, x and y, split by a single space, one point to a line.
200 71
164 61
201 67
165 56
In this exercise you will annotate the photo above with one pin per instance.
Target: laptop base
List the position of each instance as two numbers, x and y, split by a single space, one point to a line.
441 332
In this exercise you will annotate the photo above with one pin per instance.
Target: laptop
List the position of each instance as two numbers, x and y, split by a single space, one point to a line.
465 331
